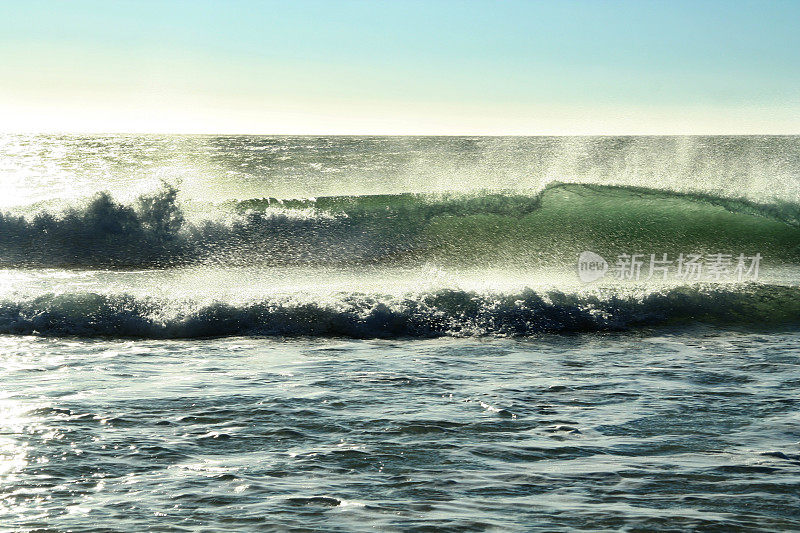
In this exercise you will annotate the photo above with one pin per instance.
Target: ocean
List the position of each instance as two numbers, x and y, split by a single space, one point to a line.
275 333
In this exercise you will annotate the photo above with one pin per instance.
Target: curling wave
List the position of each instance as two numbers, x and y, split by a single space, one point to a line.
546 227
440 313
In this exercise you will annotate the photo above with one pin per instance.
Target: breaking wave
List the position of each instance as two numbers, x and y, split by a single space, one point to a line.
435 314
548 226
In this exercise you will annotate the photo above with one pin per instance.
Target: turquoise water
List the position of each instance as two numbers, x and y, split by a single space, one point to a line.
204 333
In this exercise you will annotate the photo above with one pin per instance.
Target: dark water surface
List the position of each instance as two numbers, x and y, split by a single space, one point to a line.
669 430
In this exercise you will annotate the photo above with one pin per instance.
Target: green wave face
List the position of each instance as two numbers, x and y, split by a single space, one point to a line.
547 229
551 227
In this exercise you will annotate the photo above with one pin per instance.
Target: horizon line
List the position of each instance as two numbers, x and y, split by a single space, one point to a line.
385 134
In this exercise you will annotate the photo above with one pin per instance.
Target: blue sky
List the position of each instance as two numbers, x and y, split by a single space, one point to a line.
378 66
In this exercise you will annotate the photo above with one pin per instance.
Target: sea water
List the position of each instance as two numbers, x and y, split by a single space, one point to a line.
353 333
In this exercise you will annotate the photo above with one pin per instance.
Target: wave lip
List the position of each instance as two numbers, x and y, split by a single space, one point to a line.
436 314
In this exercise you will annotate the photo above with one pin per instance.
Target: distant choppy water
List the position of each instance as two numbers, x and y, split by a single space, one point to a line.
347 334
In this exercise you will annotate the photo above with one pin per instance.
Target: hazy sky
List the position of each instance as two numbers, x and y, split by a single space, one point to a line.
403 66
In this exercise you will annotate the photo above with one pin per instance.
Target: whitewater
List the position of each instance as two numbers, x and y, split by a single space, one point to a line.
262 332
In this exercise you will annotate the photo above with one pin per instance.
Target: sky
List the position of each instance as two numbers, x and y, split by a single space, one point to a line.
444 67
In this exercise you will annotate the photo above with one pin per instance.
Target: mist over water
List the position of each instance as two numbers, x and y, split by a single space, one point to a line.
387 211
218 168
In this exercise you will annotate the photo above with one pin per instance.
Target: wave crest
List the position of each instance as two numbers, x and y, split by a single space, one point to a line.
441 313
